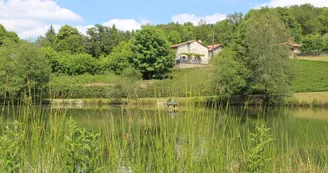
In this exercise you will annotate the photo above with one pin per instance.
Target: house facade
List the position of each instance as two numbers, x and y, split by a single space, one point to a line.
194 52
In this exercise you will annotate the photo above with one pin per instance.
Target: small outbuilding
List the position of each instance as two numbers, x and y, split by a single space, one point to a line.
172 105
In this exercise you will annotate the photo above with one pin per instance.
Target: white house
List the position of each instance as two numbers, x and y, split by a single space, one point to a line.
194 52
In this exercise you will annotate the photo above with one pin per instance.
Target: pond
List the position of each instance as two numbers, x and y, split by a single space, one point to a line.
195 139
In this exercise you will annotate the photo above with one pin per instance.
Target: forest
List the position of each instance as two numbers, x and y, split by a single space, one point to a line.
28 66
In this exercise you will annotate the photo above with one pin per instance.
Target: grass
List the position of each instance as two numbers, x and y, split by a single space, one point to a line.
198 140
313 58
311 76
310 96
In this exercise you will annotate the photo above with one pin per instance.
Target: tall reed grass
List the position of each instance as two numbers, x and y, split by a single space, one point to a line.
33 139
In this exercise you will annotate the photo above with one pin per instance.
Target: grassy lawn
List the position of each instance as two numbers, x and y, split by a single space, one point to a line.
310 96
311 76
313 58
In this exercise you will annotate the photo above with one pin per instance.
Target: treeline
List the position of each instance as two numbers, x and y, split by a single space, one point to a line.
108 50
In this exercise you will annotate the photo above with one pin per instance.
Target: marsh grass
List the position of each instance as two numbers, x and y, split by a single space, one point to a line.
197 140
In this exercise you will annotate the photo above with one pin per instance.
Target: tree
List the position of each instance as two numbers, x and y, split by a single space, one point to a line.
307 16
313 43
323 17
7 37
290 22
235 19
225 32
49 40
102 40
69 39
77 64
203 32
152 55
173 37
229 76
118 60
267 56
24 71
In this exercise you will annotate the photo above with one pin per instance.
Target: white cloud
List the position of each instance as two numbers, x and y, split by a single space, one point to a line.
83 29
283 3
211 19
32 18
126 24
36 10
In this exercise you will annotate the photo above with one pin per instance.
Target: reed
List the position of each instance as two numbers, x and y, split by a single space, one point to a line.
35 139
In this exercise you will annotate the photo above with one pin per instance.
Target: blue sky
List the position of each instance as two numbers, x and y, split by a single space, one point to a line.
100 11
32 18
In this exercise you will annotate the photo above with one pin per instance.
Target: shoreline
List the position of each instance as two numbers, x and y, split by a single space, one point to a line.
310 99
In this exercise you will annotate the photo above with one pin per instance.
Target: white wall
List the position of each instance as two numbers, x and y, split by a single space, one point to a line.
193 47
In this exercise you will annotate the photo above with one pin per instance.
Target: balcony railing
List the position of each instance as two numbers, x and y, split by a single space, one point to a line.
189 61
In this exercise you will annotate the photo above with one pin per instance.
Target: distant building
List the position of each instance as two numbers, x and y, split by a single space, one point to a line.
194 53
294 48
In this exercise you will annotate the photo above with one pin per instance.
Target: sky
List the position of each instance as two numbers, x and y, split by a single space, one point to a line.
32 18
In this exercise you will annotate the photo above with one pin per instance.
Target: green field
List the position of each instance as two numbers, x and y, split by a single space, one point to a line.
310 76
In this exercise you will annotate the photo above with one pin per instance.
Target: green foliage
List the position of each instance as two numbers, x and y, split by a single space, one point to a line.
191 54
83 86
225 32
77 64
312 43
151 140
11 141
308 17
118 60
203 32
128 85
24 71
6 36
70 40
82 149
151 53
102 40
258 144
174 37
49 40
267 58
229 76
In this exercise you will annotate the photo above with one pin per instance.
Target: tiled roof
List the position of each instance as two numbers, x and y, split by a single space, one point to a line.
215 46
191 41
293 44
177 45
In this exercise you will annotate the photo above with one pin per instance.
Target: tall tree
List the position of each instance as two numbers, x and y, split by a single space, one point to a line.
69 39
267 55
229 75
24 71
118 59
102 39
6 36
151 53
308 17
203 32
49 39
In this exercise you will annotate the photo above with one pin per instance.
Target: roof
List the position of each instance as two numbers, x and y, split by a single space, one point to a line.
187 42
172 102
191 41
215 46
293 44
